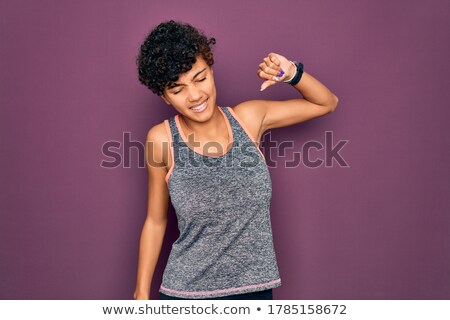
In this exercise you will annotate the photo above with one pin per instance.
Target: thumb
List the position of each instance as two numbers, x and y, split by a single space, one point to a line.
267 84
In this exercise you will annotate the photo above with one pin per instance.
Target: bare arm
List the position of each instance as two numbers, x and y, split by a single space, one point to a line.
155 224
318 101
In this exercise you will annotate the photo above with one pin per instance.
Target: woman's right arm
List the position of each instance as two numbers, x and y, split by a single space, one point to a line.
158 198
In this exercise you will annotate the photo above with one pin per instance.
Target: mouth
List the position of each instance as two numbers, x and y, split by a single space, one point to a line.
200 107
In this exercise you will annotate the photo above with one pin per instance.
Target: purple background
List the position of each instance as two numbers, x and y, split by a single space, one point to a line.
379 229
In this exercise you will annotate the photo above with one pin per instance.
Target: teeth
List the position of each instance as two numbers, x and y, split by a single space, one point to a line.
199 107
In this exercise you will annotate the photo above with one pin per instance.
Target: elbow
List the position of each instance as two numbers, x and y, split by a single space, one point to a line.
334 104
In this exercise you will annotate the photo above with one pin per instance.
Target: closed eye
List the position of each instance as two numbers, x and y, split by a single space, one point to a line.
176 92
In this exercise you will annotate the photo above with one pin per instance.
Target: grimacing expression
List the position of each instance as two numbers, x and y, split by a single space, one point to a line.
192 89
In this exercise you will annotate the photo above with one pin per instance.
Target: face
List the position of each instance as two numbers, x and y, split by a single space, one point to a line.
194 88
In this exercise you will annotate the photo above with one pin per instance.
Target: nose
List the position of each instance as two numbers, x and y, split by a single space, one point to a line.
194 94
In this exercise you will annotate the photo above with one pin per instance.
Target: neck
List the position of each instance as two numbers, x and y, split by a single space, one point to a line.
207 129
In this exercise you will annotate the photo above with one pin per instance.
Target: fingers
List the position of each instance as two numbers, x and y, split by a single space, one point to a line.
269 67
274 59
268 76
266 73
270 70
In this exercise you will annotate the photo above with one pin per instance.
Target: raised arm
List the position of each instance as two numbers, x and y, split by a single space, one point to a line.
317 99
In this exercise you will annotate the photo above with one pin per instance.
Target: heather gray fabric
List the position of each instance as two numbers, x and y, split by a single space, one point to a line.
225 245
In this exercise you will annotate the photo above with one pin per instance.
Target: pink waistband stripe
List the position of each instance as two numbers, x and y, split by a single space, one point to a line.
221 291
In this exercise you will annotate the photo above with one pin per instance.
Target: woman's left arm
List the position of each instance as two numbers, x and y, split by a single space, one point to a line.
318 100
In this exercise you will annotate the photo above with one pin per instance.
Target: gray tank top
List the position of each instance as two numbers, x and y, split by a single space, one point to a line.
222 204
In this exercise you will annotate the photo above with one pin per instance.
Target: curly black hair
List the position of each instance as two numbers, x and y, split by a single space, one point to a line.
169 50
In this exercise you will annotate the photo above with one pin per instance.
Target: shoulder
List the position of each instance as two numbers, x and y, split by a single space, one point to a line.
158 133
157 139
251 115
250 109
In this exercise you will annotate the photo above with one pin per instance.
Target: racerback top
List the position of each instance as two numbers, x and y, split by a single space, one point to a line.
222 204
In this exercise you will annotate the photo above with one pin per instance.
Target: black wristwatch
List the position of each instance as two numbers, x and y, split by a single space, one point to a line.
298 74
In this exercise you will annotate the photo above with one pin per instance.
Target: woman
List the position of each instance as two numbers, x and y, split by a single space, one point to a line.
221 197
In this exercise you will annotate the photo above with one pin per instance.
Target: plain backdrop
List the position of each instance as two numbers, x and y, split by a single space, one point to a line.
71 104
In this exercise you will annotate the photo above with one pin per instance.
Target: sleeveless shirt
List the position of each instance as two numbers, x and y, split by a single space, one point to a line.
222 204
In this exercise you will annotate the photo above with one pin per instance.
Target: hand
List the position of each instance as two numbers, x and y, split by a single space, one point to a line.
269 70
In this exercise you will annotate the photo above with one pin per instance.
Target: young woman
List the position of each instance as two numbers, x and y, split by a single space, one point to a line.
207 159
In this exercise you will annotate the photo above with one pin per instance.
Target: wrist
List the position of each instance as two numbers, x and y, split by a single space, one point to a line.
290 74
297 74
